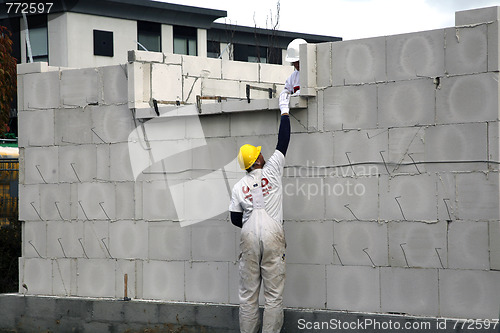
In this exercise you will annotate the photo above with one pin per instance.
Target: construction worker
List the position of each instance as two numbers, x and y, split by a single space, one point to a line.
256 207
292 84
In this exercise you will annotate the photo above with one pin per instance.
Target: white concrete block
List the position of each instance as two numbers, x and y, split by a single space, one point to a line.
225 88
29 203
461 142
173 59
415 244
447 199
324 64
307 242
41 91
79 87
351 198
414 55
475 16
305 286
120 167
111 124
468 98
353 288
255 123
303 199
360 146
94 234
238 70
114 83
96 201
77 163
214 241
96 278
311 149
408 197
493 54
36 128
164 280
41 165
469 294
468 245
126 267
493 144
466 50
62 239
234 281
55 201
125 196
359 61
350 107
201 67
127 239
145 56
37 276
404 144
102 160
409 290
191 87
33 67
215 126
356 242
139 84
157 201
477 196
64 277
207 282
34 236
494 244
308 69
73 126
274 74
166 82
406 103
169 241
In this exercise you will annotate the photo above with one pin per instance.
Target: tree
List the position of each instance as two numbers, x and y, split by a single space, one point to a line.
8 77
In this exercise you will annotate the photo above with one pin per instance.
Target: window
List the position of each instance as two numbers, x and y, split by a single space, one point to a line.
37 26
213 49
149 36
185 40
250 53
103 43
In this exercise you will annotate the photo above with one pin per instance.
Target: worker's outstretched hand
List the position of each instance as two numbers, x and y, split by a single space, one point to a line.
285 102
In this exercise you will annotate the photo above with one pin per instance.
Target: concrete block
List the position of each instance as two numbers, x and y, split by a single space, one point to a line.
169 241
144 56
139 84
324 63
351 198
166 82
353 288
62 239
303 199
359 146
409 290
494 145
214 241
157 201
475 16
33 67
262 122
115 84
477 196
468 245
102 160
350 107
311 149
274 74
406 103
447 199
34 238
143 313
238 70
461 142
73 126
414 55
201 67
64 277
215 126
125 267
207 282
29 203
173 59
127 239
468 98
96 278
226 88
359 61
96 201
191 87
494 244
415 244
305 286
41 91
37 275
469 293
404 144
108 311
493 54
234 281
36 128
466 50
55 201
111 124
95 232
164 280
77 163
308 69
307 242
408 197
125 207
356 242
41 165
120 162
79 87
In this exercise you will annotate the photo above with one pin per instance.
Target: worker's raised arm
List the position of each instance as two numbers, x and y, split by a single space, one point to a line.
284 131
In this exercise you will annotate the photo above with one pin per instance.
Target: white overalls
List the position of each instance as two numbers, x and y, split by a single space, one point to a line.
262 246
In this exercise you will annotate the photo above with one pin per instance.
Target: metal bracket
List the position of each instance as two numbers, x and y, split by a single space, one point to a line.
269 90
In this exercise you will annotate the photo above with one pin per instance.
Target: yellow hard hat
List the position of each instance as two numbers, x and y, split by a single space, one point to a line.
248 155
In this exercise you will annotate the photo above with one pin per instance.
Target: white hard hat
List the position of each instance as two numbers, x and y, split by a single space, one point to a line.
292 51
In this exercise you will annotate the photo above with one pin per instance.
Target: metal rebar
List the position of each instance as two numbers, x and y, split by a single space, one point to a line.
365 251
338 255
80 240
400 208
74 170
62 248
32 205
92 129
60 215
80 203
100 204
350 164
347 206
39 172
102 240
441 262
404 253
447 209
34 248
385 164
415 164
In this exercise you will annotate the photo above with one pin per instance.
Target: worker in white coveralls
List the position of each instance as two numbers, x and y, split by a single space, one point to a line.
256 207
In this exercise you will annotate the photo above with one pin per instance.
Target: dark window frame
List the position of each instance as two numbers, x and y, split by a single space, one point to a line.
103 43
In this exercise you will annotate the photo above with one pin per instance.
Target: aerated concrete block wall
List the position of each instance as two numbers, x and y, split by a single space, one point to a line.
391 190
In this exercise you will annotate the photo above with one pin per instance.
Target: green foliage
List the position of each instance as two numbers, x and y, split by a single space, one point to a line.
8 77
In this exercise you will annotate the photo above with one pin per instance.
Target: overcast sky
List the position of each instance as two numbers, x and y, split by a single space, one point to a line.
349 19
